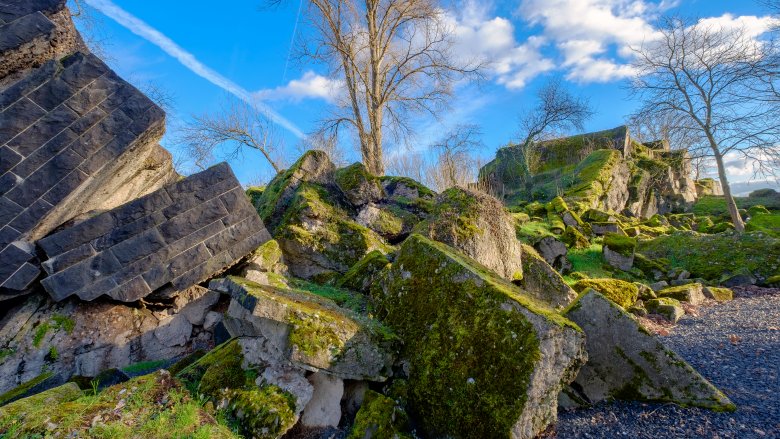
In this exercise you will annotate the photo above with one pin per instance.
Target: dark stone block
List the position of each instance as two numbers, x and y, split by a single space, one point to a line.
136 105
181 263
44 153
52 94
8 182
27 84
16 33
138 246
17 9
154 262
17 118
76 277
188 200
23 278
65 260
8 159
123 93
45 129
77 235
248 245
91 96
98 136
31 216
131 291
152 117
88 121
46 177
65 187
8 235
13 257
203 271
124 232
192 220
141 207
97 289
8 210
81 69
202 182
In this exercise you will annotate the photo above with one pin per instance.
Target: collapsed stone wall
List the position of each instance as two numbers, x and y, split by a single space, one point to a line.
166 241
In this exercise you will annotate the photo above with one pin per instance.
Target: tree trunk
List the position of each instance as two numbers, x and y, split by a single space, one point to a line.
736 218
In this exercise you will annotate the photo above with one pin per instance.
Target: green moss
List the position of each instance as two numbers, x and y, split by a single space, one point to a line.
153 406
764 222
557 205
422 191
556 223
574 239
620 244
40 331
24 388
5 353
533 232
362 275
682 292
379 418
53 354
713 256
221 368
589 261
456 211
716 205
620 292
263 413
721 294
354 177
63 322
254 193
462 340
144 367
651 267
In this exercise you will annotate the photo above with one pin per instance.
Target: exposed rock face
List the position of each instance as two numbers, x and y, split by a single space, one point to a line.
478 225
33 32
691 293
308 331
554 252
164 242
78 338
626 362
484 361
73 134
541 281
358 185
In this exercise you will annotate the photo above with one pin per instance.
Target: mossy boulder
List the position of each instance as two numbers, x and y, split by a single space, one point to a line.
541 281
319 239
619 251
574 239
43 381
313 167
717 257
620 292
477 225
626 362
719 294
768 223
389 221
379 417
655 269
692 293
364 273
358 185
265 262
310 331
485 359
666 307
557 205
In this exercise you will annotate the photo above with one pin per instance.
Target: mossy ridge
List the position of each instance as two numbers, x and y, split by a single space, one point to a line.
456 210
620 292
712 256
24 388
360 276
453 388
379 418
353 176
620 244
144 414
220 368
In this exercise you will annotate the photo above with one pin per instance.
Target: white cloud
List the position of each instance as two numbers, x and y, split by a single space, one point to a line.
143 30
480 37
309 86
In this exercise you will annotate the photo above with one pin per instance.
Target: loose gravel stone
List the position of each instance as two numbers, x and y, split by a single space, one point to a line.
736 345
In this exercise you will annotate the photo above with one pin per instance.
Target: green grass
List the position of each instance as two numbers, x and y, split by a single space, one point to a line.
589 261
533 231
143 367
716 206
767 223
343 298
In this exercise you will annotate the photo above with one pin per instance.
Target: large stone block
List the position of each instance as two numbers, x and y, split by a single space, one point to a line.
143 247
74 137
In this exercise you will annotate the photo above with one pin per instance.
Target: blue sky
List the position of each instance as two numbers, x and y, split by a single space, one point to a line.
242 48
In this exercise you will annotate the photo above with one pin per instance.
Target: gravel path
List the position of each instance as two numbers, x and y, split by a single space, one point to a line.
736 346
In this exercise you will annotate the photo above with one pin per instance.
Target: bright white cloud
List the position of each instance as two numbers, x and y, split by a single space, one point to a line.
143 30
309 86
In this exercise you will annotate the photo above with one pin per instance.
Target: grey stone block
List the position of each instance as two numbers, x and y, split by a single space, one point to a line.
68 258
8 210
8 159
8 235
46 128
18 32
43 154
192 220
76 277
17 118
23 278
67 185
88 121
27 84
17 9
138 246
30 217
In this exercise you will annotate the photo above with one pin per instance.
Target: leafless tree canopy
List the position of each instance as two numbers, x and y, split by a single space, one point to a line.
556 111
455 164
718 83
394 59
229 131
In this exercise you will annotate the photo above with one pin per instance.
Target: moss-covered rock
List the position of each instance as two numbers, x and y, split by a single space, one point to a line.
485 360
557 205
619 251
768 223
692 293
309 330
358 185
626 362
264 413
654 269
478 225
38 384
715 257
667 307
621 292
379 418
719 294
363 274
541 281
574 239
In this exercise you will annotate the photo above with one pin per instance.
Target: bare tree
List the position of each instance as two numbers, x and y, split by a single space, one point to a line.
713 78
394 58
455 164
327 143
235 127
411 164
556 111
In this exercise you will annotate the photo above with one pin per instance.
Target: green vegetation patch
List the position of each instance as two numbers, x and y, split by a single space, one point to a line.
362 275
379 418
768 223
620 244
620 292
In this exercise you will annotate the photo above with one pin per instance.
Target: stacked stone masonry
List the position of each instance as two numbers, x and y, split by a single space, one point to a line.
163 242
67 129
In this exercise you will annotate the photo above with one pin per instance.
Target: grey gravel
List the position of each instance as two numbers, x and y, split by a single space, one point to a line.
736 345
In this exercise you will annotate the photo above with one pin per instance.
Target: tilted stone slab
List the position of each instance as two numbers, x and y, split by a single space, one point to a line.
163 242
308 331
626 362
33 32
72 135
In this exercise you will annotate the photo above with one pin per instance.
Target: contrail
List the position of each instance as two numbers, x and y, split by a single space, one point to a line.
143 30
